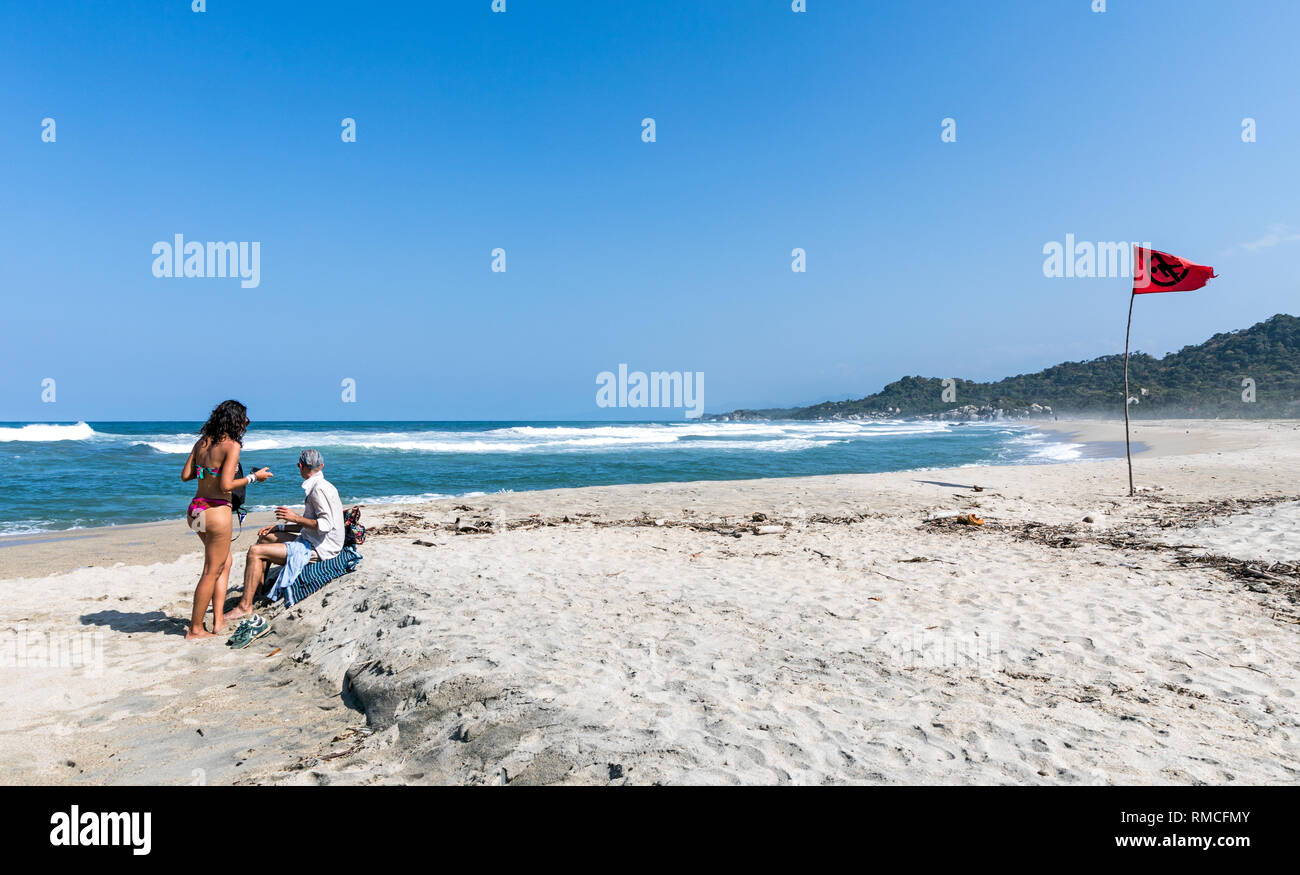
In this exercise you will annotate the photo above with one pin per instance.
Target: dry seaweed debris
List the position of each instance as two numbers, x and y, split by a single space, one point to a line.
1168 513
406 523
966 522
1260 576
401 522
1279 574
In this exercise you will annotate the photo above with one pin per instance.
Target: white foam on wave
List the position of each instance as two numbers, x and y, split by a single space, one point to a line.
37 433
1042 447
165 446
17 528
779 445
781 437
661 432
414 499
445 446
24 527
186 443
392 499
584 444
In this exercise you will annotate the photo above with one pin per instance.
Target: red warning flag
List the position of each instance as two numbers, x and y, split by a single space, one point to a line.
1155 271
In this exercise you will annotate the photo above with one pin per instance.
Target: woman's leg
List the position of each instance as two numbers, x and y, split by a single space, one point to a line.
215 533
219 596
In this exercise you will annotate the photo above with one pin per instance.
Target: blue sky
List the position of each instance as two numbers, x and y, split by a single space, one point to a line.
522 130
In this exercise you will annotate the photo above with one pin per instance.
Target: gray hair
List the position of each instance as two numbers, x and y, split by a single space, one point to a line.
312 459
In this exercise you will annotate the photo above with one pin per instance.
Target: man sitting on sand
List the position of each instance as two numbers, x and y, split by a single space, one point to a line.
317 534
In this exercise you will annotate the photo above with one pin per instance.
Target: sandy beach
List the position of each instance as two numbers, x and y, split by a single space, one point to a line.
814 630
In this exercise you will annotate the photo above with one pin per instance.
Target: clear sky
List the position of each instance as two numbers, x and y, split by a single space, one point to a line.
522 130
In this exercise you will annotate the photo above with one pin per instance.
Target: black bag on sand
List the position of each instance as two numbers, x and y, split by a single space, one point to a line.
238 494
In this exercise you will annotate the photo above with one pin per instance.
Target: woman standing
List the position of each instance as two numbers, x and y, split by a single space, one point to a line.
213 462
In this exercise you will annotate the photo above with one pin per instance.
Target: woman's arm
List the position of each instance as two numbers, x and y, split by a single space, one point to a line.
229 482
188 473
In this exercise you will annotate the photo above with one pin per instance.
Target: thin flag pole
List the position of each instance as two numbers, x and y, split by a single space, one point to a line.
1128 449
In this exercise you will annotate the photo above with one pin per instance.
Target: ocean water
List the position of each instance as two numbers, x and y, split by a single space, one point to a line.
74 475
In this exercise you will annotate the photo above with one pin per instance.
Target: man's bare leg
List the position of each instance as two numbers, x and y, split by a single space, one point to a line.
260 557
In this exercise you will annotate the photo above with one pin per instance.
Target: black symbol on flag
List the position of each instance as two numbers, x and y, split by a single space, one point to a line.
1173 271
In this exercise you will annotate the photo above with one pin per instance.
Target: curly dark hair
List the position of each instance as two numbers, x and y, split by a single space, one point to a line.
228 419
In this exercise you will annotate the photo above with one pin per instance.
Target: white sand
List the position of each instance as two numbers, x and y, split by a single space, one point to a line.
1264 534
610 649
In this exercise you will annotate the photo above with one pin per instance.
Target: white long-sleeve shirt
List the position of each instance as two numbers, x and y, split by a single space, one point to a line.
323 506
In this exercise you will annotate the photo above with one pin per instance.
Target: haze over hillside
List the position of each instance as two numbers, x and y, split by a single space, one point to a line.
1203 380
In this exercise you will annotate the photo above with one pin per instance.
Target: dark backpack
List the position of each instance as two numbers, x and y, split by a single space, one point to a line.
237 494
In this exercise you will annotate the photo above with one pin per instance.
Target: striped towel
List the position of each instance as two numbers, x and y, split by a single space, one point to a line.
315 576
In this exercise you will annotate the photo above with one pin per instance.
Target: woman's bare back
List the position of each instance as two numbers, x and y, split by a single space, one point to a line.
211 456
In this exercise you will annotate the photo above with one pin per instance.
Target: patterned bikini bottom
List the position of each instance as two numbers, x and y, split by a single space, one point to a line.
199 505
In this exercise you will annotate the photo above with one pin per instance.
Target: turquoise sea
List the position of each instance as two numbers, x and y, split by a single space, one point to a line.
72 475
